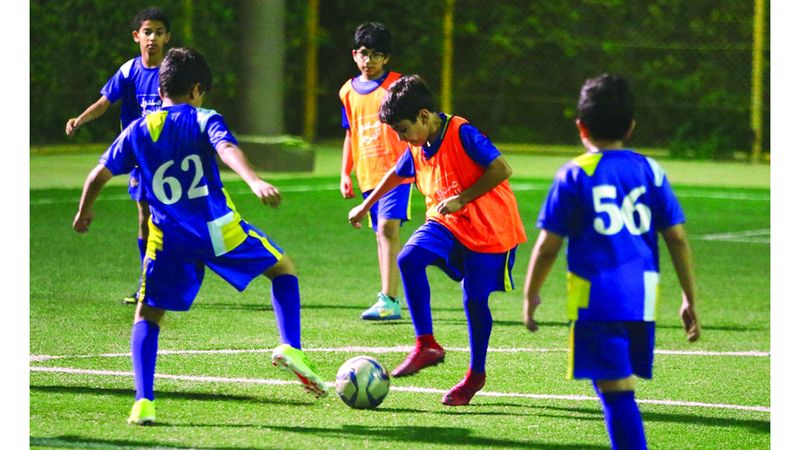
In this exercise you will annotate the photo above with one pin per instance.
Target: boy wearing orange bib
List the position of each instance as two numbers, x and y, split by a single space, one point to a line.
472 226
372 148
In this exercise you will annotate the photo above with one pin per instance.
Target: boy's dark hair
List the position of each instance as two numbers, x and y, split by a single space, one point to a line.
151 13
606 107
405 98
373 35
181 68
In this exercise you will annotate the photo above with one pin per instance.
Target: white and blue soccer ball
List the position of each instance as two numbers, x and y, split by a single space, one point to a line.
362 382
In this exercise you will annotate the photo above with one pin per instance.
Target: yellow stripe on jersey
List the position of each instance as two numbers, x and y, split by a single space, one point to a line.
270 248
155 239
507 286
571 352
588 162
226 233
155 123
577 294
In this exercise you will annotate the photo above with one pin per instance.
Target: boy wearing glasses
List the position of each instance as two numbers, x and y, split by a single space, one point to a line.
372 148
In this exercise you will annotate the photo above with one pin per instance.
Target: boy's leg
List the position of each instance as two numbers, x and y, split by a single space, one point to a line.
387 307
286 304
622 416
144 349
286 301
386 216
143 216
480 279
413 261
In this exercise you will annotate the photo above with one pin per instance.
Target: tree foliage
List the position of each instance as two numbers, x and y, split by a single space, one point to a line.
519 64
77 45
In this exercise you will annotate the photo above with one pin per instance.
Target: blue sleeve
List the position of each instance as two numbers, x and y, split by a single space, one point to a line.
668 211
218 131
559 213
119 158
345 122
405 165
113 87
477 145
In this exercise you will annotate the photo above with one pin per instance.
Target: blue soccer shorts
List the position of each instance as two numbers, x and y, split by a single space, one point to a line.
172 274
135 186
611 350
394 205
479 273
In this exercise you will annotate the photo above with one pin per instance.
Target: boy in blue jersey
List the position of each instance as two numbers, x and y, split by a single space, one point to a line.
193 222
136 85
610 203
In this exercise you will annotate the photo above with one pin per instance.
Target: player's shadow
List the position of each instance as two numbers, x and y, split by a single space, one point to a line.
412 436
165 395
590 413
72 441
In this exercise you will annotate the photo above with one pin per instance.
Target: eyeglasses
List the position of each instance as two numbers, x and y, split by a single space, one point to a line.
366 56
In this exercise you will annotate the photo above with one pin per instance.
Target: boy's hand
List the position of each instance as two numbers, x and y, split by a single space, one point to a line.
690 323
268 193
357 215
528 308
346 187
450 205
82 221
72 126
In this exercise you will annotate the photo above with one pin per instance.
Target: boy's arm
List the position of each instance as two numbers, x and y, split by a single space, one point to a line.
678 246
234 158
497 172
389 181
543 256
94 183
346 183
94 111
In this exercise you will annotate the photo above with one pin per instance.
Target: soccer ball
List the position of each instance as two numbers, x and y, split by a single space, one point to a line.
362 382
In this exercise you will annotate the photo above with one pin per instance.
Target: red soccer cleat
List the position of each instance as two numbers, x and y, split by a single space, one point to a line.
462 393
419 358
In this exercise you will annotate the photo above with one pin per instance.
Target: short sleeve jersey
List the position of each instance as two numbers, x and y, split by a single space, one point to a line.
175 149
137 87
610 206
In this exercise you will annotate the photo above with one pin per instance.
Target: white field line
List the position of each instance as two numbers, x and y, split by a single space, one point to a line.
522 187
760 236
411 389
380 350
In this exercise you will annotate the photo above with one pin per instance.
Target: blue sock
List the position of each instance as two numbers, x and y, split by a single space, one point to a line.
286 303
142 248
144 347
623 420
413 260
479 322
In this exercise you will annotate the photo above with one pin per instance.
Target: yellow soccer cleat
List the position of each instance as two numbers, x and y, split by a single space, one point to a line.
294 360
143 412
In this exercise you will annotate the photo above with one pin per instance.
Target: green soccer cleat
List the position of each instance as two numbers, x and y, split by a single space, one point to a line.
384 309
294 360
143 412
131 299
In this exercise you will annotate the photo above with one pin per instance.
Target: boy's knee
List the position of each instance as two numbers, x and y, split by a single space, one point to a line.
284 267
148 313
388 229
406 259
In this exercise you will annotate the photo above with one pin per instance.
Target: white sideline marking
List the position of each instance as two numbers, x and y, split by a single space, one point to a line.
748 236
396 349
411 389
516 186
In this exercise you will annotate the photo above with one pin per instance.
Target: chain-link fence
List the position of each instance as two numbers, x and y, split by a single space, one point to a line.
518 65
